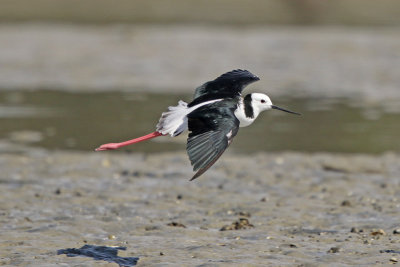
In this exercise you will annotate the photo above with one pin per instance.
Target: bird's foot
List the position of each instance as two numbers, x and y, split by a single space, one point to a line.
110 146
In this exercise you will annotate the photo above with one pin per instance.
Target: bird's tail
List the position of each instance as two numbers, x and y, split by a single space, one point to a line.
173 121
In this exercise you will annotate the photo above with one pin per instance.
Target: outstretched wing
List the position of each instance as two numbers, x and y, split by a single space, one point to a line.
212 128
230 84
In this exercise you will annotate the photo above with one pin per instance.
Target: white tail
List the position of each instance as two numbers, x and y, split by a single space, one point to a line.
174 121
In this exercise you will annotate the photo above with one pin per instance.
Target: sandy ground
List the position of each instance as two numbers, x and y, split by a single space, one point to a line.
296 61
304 209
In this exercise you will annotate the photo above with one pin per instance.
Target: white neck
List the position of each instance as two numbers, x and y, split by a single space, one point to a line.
241 115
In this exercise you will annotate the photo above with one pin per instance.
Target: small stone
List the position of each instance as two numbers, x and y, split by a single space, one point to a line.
378 232
58 191
345 203
356 230
242 223
176 224
396 231
162 253
394 259
179 197
264 199
334 250
111 237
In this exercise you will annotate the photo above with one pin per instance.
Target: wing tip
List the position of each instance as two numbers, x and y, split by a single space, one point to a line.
200 172
240 72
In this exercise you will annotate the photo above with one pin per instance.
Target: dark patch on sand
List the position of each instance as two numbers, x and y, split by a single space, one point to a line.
103 253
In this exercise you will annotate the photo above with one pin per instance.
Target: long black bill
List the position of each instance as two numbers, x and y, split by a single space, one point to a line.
282 109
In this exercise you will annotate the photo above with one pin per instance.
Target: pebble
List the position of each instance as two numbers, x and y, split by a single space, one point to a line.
334 250
378 232
356 230
345 203
176 224
242 223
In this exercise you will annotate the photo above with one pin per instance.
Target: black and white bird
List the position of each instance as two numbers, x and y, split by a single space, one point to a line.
213 118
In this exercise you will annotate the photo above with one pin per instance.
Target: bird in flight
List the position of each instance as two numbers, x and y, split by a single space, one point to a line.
213 118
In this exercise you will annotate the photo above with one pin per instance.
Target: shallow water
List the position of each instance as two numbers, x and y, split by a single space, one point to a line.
83 121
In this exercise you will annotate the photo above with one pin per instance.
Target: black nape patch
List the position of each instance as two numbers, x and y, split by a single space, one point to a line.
248 108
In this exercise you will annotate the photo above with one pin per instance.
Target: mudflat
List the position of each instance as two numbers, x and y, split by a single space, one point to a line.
293 209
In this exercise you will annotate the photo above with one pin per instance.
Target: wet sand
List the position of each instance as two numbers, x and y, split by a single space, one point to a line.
301 209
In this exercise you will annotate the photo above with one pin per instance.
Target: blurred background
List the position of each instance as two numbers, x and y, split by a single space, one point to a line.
76 74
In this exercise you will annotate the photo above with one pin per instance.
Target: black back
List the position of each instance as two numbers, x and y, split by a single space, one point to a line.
228 85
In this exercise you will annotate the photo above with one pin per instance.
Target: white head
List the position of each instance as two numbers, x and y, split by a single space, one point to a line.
260 102
252 105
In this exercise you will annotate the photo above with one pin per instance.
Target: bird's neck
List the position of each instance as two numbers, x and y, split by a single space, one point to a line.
245 112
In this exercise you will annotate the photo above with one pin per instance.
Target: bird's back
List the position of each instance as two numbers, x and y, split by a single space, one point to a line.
228 85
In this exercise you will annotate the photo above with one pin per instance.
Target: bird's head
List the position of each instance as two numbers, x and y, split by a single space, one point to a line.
261 102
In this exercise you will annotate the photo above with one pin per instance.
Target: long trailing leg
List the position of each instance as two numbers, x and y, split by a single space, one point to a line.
112 146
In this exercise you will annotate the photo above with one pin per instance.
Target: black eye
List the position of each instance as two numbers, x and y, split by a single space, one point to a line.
262 101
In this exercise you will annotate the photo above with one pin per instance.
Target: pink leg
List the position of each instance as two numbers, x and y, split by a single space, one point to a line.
112 146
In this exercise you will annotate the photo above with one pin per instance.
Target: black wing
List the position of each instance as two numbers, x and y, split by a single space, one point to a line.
212 128
230 84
